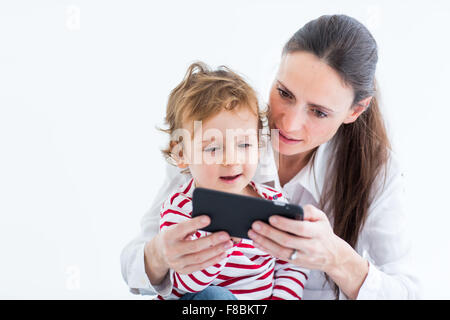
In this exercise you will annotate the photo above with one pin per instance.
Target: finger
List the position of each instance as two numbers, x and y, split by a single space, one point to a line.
311 213
203 265
189 236
181 230
278 236
204 257
269 246
305 229
279 251
197 245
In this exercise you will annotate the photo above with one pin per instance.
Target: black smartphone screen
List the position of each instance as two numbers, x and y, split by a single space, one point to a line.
235 213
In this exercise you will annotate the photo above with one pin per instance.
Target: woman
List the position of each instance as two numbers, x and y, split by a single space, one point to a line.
333 158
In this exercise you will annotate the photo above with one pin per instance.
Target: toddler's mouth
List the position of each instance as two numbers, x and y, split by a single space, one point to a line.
229 179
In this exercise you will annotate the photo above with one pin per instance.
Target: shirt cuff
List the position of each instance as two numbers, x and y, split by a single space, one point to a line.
139 282
342 295
368 288
371 284
165 287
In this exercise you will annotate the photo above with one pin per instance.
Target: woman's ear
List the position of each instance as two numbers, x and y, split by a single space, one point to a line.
357 110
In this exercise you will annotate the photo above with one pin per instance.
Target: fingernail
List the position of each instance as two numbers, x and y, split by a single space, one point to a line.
228 245
273 220
204 220
257 226
251 234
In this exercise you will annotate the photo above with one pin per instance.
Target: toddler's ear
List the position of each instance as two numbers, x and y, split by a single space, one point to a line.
182 165
177 154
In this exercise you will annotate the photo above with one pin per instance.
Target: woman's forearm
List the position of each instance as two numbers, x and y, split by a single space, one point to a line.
350 270
155 266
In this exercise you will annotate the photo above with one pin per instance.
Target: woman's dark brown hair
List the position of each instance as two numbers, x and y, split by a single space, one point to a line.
361 148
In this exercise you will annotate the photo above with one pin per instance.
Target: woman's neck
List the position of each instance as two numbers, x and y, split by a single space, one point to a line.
290 165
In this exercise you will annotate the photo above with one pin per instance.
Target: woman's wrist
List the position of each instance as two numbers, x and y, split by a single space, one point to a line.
348 270
155 265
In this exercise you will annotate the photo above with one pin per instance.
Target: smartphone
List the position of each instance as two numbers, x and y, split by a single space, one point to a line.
235 213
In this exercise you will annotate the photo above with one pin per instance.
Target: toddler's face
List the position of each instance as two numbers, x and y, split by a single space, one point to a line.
223 154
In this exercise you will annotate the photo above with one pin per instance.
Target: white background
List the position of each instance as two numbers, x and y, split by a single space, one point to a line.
84 83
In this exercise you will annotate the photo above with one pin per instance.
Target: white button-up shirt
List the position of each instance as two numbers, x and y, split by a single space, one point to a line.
383 240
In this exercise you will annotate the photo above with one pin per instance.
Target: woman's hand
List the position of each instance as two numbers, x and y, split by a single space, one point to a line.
317 246
173 249
313 238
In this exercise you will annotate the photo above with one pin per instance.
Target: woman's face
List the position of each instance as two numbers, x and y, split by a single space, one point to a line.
308 102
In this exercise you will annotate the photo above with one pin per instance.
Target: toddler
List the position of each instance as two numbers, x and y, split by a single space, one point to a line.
214 120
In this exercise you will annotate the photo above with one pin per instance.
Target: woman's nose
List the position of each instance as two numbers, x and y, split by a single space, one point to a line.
294 119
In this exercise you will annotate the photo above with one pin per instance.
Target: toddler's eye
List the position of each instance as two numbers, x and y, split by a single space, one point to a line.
211 149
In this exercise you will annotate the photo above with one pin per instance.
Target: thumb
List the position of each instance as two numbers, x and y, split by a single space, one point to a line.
188 227
311 213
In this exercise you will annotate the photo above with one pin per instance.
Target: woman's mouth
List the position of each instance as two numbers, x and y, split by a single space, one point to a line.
286 139
230 179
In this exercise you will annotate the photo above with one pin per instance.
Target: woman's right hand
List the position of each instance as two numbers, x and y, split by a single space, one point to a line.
173 249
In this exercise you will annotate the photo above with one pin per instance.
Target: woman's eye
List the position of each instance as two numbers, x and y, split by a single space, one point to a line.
245 145
284 94
319 114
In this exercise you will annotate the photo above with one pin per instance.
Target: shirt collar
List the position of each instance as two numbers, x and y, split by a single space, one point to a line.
188 188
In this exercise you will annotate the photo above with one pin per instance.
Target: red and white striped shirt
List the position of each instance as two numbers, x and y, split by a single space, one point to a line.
249 273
